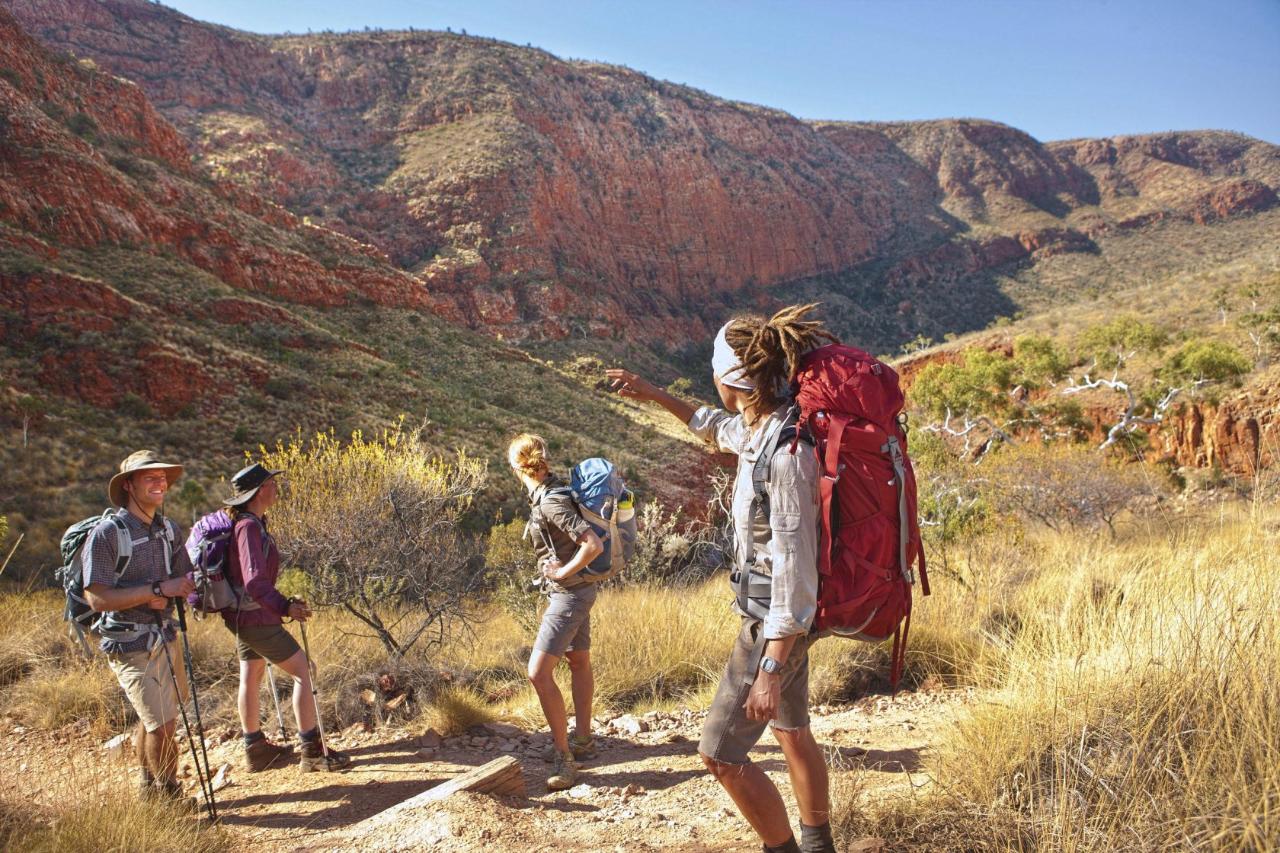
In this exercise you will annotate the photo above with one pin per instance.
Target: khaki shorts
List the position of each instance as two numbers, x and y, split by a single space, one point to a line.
148 684
566 626
272 642
728 735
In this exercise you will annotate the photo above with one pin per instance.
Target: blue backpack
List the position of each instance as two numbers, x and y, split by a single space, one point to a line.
606 504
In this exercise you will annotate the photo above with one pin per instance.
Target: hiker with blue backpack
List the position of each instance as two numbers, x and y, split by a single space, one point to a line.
130 569
825 529
575 529
237 565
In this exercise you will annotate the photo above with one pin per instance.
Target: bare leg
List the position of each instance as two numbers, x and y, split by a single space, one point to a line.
584 688
304 708
756 797
140 750
162 752
808 774
542 667
247 701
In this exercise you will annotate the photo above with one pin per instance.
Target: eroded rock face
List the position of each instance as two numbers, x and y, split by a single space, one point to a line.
542 198
86 164
1241 434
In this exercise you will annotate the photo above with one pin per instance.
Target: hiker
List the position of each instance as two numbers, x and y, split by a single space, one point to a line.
565 544
253 566
139 646
766 681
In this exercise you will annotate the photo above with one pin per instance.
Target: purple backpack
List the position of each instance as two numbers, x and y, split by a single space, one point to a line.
209 546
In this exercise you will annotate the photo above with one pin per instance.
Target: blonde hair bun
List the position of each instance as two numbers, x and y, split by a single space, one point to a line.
528 453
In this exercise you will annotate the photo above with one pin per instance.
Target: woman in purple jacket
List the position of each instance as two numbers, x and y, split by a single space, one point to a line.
253 567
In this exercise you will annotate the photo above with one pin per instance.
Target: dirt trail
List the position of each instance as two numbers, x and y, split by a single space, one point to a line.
645 791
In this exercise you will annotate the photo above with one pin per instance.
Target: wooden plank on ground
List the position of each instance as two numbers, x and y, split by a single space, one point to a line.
501 777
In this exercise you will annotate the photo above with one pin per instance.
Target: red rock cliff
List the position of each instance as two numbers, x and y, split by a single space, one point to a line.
548 198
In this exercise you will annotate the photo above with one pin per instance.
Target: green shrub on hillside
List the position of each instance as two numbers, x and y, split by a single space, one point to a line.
1039 361
377 525
1113 342
976 384
1204 360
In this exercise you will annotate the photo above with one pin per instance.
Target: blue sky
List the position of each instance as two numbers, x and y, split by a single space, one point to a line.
1055 69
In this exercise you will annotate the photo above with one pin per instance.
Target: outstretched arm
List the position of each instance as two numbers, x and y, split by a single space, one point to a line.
634 387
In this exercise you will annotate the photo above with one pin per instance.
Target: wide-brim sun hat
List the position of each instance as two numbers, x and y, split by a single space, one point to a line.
247 481
141 460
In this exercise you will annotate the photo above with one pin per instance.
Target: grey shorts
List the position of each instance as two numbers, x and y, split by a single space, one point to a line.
566 626
728 735
272 642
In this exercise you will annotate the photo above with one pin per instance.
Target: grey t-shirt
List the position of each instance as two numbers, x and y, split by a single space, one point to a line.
555 524
146 565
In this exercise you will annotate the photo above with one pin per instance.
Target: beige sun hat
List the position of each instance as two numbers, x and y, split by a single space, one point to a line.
140 460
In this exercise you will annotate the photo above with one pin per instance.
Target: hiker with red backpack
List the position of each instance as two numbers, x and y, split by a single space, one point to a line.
256 614
823 513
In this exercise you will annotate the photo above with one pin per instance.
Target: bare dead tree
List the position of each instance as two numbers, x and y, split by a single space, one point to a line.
1130 421
982 427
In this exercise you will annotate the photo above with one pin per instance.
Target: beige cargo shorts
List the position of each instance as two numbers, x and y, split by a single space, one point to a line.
146 680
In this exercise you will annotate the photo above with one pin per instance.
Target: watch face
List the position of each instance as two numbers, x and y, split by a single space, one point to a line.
769 665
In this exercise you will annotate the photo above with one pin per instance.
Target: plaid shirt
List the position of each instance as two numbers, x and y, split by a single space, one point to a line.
146 565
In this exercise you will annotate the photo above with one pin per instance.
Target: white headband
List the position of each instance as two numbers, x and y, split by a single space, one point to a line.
726 366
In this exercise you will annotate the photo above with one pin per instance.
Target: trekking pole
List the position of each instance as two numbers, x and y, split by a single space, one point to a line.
195 699
315 698
206 781
271 681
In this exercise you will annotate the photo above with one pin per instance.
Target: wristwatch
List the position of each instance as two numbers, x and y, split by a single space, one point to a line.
770 665
155 590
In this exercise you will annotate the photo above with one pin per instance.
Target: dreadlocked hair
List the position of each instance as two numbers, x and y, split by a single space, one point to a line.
770 350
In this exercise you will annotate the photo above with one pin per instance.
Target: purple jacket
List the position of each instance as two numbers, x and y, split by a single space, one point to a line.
253 562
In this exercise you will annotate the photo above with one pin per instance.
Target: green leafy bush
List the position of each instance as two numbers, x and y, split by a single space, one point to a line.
1112 342
1214 361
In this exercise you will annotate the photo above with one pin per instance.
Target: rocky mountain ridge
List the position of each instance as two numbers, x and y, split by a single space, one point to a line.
542 198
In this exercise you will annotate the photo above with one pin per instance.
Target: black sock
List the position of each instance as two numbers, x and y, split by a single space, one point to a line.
816 839
310 736
250 738
787 847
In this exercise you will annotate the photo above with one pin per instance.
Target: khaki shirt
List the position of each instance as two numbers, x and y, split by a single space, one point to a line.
786 547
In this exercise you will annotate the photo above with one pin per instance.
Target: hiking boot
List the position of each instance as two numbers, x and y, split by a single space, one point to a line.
583 748
262 754
314 758
564 773
170 791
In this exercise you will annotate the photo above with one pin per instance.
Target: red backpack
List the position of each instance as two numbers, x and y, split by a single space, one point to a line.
847 406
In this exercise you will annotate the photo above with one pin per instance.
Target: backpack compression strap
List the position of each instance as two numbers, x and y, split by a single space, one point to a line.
749 584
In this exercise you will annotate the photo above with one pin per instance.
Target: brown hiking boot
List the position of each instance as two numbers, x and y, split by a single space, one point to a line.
262 754
171 791
314 758
564 773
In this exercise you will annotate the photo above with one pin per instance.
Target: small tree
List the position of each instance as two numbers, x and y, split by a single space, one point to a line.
376 526
1115 342
1066 486
1208 361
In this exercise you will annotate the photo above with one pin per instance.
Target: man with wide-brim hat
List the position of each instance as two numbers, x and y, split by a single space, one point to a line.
253 567
135 596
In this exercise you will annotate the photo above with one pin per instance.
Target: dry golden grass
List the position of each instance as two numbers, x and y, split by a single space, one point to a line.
453 710
84 811
1134 707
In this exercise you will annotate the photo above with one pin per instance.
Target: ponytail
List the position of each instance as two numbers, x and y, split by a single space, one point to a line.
770 350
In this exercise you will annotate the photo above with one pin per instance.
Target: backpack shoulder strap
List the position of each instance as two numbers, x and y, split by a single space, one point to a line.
789 433
124 544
